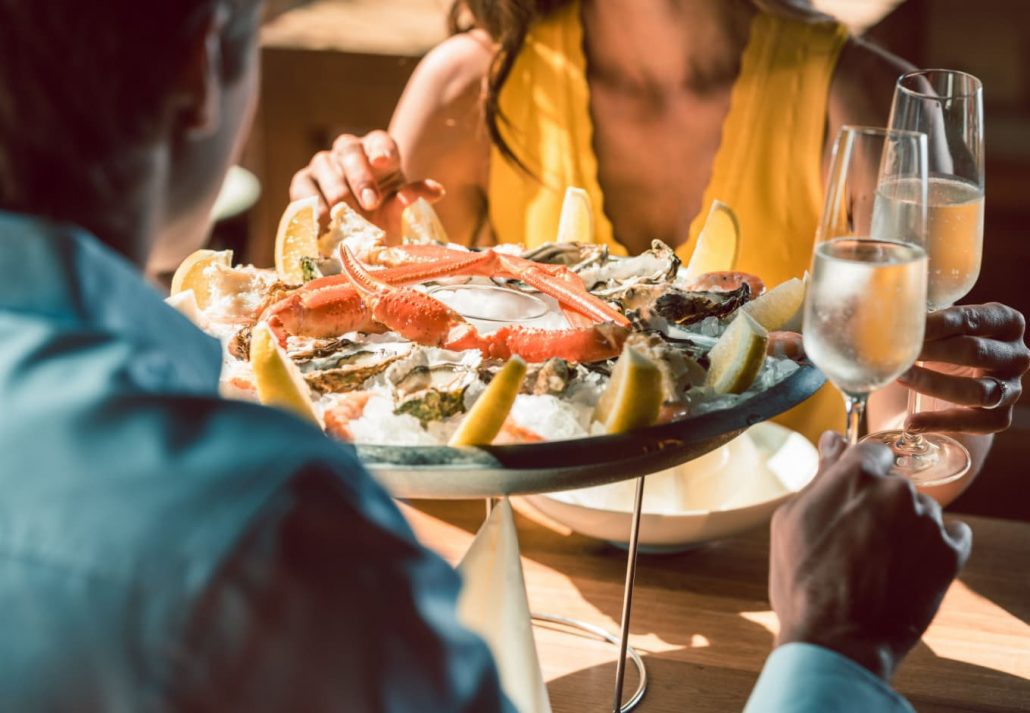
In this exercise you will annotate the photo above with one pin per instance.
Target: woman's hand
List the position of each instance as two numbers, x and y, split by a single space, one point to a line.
366 173
977 358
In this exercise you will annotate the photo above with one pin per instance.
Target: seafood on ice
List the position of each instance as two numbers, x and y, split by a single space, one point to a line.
389 361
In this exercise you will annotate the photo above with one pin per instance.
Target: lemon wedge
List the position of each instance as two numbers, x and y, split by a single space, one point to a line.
484 420
193 274
576 224
717 244
781 308
421 225
737 357
278 380
633 396
296 238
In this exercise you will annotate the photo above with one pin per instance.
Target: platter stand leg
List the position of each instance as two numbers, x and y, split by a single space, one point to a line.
627 607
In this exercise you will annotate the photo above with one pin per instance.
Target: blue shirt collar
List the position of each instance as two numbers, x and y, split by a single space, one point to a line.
61 273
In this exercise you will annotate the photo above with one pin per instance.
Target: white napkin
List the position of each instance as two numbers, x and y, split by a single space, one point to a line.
493 604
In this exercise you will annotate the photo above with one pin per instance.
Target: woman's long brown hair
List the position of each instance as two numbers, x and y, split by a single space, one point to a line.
508 21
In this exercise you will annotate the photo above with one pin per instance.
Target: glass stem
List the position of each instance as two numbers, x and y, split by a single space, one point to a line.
912 442
854 406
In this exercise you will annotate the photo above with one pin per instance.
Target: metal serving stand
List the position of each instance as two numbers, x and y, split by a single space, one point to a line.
442 472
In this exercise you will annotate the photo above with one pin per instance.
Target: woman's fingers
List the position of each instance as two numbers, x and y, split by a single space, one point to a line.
349 154
987 320
962 420
382 152
981 352
329 177
428 189
979 392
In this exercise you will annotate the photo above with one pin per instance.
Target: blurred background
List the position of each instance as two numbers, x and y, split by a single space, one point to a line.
334 66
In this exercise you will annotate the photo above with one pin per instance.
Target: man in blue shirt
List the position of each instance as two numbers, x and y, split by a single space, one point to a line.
162 549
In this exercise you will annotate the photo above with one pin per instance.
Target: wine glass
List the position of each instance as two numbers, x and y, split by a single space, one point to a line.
865 309
948 107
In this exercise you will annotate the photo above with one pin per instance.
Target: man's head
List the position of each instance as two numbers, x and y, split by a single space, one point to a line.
123 116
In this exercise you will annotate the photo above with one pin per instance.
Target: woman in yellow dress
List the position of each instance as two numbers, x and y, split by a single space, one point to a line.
656 108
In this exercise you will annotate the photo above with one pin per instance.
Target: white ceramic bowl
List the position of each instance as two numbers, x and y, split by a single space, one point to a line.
723 493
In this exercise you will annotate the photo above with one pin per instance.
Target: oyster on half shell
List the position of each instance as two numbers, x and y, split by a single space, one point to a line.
341 371
656 266
652 306
680 371
550 377
577 256
429 389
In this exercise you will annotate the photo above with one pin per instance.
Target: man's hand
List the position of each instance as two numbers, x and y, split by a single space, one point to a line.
978 358
366 174
859 560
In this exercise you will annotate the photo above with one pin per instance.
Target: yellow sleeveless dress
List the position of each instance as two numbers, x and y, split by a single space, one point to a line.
768 167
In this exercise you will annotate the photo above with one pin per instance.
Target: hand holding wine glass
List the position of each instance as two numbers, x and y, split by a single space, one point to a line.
978 356
978 351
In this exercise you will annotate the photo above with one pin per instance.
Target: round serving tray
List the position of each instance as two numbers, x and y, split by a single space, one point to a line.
442 472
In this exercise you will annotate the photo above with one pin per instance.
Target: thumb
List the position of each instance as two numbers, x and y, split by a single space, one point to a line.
831 446
428 189
960 536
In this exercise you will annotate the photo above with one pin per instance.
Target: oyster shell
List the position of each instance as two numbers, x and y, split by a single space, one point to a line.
682 307
680 371
578 256
653 306
655 266
430 390
315 353
550 377
330 368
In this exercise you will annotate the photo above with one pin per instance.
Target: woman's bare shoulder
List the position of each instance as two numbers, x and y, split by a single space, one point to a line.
863 84
448 82
463 58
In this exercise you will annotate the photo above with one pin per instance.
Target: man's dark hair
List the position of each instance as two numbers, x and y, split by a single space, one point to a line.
81 89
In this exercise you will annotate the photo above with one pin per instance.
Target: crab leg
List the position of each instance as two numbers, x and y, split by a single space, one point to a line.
569 294
361 300
330 306
423 319
324 313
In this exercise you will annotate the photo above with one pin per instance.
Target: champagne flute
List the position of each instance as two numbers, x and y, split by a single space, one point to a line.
948 107
865 309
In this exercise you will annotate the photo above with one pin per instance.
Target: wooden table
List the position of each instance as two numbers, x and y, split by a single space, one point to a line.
703 622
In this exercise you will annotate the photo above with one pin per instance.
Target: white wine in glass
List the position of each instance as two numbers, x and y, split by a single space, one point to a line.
947 106
954 230
865 315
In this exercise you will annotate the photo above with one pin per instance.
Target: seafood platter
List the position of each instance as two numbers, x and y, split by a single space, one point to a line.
627 365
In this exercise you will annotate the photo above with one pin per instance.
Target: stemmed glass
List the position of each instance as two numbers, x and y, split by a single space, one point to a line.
865 309
948 107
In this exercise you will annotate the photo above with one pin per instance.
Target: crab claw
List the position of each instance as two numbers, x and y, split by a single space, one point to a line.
412 314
